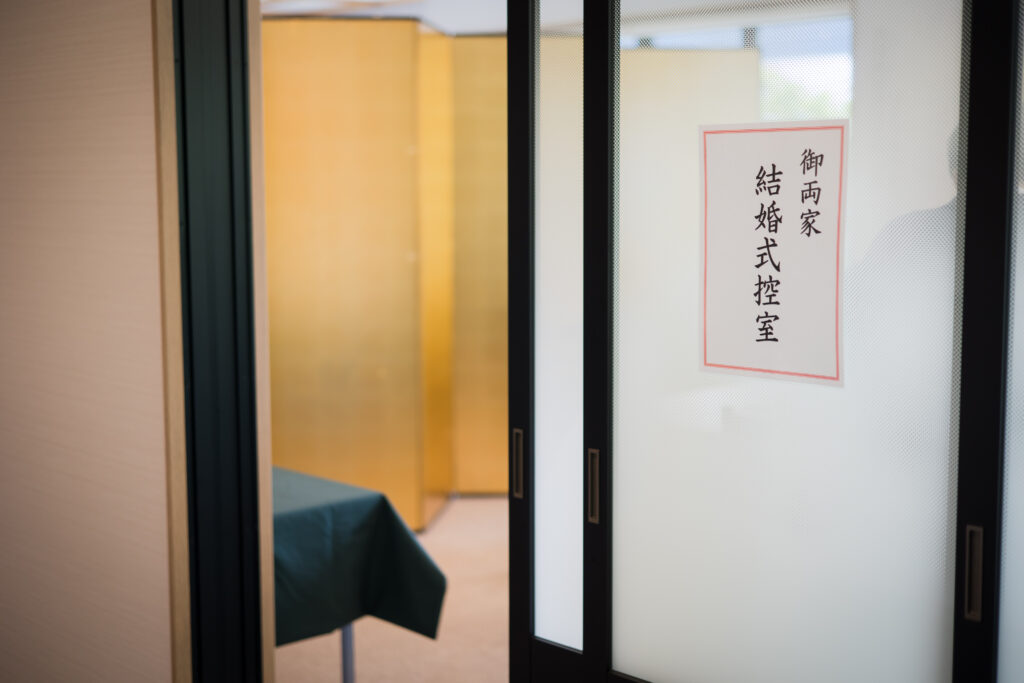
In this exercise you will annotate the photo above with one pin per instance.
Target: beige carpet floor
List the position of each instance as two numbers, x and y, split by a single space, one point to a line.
469 541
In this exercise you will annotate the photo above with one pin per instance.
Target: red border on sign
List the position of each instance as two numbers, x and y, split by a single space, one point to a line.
842 145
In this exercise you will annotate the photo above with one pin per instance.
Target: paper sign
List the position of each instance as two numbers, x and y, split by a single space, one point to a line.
772 248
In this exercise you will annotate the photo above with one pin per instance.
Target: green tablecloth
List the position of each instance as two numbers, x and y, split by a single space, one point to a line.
341 552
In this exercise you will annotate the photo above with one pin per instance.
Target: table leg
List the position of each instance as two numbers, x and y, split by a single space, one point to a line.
348 664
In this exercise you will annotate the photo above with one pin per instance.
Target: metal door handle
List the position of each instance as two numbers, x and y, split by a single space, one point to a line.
593 486
974 537
517 463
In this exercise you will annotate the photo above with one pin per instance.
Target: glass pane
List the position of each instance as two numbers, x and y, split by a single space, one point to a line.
558 345
1011 609
767 529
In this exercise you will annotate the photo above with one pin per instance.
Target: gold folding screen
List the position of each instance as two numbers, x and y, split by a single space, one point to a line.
383 209
437 252
481 294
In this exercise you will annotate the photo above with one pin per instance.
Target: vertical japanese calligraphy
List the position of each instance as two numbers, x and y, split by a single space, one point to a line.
772 183
772 262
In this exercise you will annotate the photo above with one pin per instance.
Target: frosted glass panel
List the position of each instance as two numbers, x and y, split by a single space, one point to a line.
766 529
1011 609
558 346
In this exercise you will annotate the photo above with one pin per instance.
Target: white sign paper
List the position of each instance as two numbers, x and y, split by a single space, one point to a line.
772 248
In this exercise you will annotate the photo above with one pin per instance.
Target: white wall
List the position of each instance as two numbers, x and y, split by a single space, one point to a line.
84 588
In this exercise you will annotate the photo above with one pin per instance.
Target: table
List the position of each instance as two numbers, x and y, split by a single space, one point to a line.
342 552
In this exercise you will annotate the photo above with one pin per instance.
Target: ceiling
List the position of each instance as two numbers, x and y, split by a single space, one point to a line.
488 16
449 16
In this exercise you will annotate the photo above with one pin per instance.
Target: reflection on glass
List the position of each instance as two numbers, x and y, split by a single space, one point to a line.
809 528
806 66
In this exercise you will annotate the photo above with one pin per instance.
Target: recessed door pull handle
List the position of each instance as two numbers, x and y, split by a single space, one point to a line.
517 463
593 486
974 537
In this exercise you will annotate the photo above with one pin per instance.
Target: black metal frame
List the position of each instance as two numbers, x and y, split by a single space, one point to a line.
600 115
992 115
211 61
522 65
991 33
532 658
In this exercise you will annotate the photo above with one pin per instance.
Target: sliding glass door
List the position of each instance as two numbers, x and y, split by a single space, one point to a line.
807 524
760 269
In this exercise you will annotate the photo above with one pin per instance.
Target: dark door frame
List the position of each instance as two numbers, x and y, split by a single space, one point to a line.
990 50
992 34
523 26
212 88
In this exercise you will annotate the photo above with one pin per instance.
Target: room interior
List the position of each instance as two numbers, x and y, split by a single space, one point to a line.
385 196
97 575
385 192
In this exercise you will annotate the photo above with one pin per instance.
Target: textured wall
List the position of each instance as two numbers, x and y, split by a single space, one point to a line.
84 587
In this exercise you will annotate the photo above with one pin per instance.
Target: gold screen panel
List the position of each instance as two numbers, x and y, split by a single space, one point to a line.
342 252
436 215
481 291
